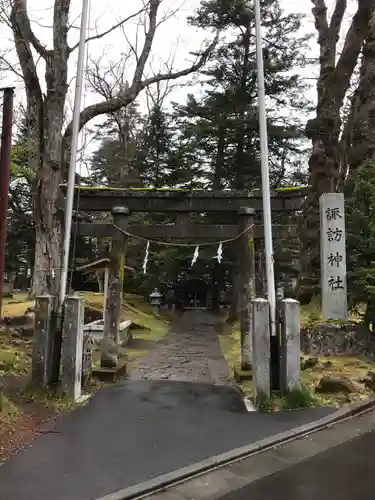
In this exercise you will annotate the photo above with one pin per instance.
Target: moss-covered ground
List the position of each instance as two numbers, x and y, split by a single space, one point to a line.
337 366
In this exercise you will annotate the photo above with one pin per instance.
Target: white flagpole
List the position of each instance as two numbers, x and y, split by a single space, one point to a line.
265 170
73 153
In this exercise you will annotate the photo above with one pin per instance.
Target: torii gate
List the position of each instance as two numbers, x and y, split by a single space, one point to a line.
240 205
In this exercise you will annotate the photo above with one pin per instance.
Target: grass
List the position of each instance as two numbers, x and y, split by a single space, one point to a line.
15 352
53 399
15 364
294 400
14 360
338 366
151 330
335 366
7 407
16 306
299 398
136 309
311 313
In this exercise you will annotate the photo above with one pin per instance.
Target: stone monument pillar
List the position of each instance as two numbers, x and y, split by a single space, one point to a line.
333 257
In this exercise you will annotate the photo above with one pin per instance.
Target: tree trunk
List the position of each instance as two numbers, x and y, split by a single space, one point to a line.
46 118
241 113
215 285
220 158
234 314
361 145
46 193
217 186
45 115
324 130
48 233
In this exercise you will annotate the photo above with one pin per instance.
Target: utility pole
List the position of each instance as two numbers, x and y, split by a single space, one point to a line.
268 246
57 343
5 156
73 153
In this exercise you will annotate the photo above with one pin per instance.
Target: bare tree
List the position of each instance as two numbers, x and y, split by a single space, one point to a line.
325 129
45 114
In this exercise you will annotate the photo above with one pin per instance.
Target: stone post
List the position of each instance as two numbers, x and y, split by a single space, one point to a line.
261 349
246 218
290 345
72 347
333 257
156 311
43 341
114 293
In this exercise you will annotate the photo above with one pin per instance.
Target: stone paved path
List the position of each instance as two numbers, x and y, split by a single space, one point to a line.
190 352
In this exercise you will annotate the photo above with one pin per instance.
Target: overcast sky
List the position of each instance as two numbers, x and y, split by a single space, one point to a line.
174 39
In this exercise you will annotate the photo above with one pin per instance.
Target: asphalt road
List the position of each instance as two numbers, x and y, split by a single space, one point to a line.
345 472
133 432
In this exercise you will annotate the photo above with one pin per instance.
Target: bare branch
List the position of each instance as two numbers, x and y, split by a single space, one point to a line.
107 85
171 13
320 16
157 97
9 66
149 38
19 9
184 72
130 94
353 45
133 47
112 28
20 24
337 17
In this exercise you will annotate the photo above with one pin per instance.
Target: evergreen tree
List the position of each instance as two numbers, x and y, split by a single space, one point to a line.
113 162
230 104
154 156
213 140
20 241
361 240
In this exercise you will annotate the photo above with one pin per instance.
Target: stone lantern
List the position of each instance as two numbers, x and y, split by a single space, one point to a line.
155 301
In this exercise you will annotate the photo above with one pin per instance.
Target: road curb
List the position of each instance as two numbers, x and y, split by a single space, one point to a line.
198 468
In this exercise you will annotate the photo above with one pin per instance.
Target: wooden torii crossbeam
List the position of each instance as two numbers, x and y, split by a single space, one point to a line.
191 232
103 199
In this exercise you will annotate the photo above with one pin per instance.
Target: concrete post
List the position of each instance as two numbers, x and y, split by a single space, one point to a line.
290 345
156 310
43 341
261 349
72 349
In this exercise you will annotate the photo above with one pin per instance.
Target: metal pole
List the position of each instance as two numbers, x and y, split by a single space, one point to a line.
73 153
265 171
5 157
